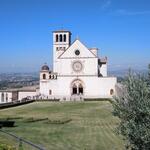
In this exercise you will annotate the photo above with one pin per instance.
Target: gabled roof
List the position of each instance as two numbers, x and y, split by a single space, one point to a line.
77 44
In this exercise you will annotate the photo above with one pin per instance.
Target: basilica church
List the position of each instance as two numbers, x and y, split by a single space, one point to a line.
77 71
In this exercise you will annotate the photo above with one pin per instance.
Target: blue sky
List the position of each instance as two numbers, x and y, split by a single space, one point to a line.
119 28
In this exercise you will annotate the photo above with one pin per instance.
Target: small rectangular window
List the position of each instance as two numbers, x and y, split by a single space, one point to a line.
50 92
2 97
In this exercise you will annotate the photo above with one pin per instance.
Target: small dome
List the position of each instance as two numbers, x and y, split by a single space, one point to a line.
45 67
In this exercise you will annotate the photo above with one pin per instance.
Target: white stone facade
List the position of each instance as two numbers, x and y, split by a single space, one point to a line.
77 70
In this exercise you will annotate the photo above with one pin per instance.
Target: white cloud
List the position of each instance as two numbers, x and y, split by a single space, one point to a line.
130 13
106 4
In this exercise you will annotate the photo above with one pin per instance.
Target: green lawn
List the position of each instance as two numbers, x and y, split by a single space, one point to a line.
92 126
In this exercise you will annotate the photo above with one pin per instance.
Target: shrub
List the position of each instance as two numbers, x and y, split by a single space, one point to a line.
35 119
133 110
7 147
59 121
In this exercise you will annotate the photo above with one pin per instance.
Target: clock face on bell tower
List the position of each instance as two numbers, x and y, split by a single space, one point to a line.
77 66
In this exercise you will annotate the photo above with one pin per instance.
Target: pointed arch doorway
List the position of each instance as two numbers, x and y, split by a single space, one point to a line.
74 89
80 89
77 87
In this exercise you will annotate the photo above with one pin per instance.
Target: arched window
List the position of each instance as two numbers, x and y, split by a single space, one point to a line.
2 98
64 37
44 76
111 91
56 37
60 38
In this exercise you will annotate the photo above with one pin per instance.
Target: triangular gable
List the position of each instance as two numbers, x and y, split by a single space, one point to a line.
77 45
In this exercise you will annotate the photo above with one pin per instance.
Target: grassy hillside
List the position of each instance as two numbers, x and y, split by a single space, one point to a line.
91 127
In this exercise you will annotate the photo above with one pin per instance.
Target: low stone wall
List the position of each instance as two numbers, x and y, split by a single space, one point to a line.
15 103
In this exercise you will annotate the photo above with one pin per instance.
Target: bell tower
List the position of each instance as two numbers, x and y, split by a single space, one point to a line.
61 41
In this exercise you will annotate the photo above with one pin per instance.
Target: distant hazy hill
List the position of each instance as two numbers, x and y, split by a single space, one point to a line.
18 80
123 72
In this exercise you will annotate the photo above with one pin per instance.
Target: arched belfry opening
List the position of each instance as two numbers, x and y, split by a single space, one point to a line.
44 76
56 37
77 87
60 38
64 37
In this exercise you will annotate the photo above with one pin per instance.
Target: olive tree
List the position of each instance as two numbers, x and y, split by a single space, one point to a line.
133 110
149 74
